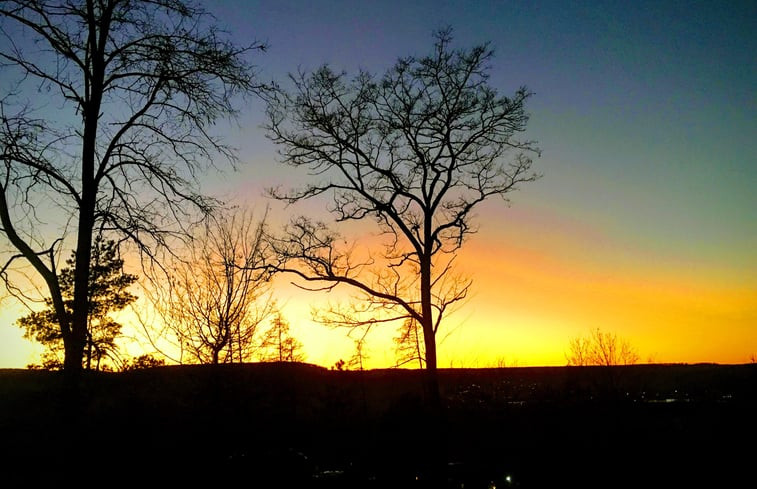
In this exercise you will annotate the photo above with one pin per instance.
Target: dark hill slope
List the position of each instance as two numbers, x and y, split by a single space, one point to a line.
304 426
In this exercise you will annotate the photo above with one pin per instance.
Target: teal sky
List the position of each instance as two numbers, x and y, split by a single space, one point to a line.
645 111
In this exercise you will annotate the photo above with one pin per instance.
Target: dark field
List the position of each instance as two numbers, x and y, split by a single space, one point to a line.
293 425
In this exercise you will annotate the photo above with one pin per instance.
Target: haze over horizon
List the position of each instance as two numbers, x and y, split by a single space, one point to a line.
645 221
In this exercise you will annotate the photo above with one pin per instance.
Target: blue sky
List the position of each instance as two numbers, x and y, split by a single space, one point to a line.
655 101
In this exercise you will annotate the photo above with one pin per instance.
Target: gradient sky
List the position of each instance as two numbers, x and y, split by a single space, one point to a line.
645 222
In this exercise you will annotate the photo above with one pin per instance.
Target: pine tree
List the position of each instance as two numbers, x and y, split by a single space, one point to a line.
279 345
107 293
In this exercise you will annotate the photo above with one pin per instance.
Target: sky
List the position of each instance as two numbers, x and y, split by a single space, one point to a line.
644 223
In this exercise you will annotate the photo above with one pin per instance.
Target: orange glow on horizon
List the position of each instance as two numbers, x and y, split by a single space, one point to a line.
533 290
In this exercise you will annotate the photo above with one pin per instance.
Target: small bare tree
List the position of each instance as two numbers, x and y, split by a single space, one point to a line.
358 359
131 89
601 348
279 345
417 151
408 346
216 297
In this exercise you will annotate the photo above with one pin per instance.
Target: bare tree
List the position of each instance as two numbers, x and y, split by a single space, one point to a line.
601 348
408 345
279 345
358 359
218 294
416 150
130 90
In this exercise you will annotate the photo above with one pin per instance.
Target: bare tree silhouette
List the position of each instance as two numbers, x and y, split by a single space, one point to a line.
216 296
409 344
131 89
361 355
601 348
416 150
279 345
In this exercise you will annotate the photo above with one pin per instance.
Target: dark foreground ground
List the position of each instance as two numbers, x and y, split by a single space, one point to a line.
293 425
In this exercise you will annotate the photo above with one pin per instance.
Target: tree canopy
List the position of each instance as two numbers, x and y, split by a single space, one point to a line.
216 294
131 90
108 293
416 150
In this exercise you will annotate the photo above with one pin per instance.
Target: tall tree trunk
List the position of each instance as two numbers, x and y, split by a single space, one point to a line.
431 428
73 352
429 338
80 313
94 79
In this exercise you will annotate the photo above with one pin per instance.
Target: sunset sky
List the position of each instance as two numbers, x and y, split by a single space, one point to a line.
645 221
